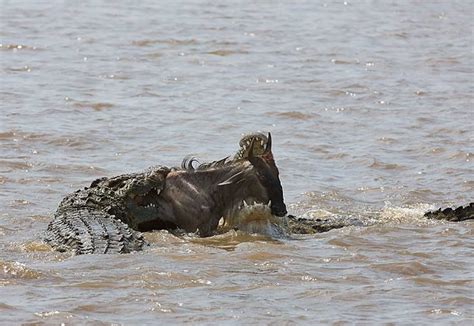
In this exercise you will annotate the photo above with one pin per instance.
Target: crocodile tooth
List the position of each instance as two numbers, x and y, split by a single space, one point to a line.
158 191
245 204
269 203
261 142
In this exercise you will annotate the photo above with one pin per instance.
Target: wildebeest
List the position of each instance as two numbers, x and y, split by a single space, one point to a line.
196 198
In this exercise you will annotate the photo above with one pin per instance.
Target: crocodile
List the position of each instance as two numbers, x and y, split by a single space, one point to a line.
110 215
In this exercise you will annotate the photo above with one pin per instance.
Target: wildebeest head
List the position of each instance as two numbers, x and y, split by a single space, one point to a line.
268 175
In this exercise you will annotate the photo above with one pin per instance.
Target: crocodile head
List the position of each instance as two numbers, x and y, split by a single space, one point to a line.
259 143
130 197
142 194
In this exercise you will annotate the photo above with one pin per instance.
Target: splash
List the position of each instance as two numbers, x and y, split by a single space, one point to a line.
413 214
17 270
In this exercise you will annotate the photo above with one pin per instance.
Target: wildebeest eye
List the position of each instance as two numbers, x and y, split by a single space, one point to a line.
264 177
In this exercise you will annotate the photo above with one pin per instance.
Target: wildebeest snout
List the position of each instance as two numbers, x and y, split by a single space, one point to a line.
279 210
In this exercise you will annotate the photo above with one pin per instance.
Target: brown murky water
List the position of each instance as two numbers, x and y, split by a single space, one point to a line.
370 105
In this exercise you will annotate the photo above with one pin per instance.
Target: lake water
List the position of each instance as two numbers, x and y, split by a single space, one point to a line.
370 105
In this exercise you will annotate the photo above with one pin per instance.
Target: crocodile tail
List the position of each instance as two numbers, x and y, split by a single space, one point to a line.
460 213
87 231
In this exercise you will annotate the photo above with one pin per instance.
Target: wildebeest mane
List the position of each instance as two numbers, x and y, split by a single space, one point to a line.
188 161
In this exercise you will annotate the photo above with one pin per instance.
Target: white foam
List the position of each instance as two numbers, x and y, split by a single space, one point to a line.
400 215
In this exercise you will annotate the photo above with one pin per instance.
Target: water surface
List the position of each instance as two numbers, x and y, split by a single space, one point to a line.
370 107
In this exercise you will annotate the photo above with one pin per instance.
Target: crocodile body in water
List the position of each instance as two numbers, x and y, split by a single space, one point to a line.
110 214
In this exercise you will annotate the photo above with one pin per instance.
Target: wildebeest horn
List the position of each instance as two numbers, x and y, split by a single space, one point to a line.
236 178
269 143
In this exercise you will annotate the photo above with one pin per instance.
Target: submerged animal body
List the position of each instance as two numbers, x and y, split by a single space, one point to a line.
107 217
